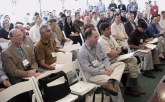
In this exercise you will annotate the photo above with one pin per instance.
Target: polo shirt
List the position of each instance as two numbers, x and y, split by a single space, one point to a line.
44 49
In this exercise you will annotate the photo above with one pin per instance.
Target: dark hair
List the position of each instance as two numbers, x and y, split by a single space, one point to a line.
117 14
103 26
50 21
153 18
63 15
157 15
36 14
88 32
18 22
66 20
142 24
139 20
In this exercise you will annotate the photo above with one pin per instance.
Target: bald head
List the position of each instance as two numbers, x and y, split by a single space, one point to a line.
15 36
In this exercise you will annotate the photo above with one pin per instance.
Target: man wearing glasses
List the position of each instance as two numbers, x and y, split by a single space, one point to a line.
17 59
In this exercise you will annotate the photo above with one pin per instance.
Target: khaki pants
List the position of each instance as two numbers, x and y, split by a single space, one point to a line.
117 73
123 44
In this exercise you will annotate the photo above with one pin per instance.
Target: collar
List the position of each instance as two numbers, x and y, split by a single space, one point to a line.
106 38
89 47
117 24
37 26
45 41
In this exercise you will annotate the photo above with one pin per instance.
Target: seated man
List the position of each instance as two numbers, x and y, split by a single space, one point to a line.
57 33
45 48
96 66
45 51
17 59
119 33
137 41
113 50
153 32
26 40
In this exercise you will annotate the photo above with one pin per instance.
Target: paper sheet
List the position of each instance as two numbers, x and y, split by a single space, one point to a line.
69 48
82 87
145 51
125 56
150 46
63 58
153 41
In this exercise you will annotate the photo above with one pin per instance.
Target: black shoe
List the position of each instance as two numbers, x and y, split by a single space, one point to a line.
158 69
109 92
131 92
148 74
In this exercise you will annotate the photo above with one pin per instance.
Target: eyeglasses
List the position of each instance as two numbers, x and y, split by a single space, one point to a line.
48 31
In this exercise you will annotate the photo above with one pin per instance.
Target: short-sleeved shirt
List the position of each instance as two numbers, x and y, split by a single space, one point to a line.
43 51
136 38
118 29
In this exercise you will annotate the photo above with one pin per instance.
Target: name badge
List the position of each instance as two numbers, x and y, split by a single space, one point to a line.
25 62
141 40
95 62
27 46
54 54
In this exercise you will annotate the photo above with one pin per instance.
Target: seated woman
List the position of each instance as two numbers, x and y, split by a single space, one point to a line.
70 31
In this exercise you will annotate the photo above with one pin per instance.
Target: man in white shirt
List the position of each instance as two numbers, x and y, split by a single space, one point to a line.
113 50
119 32
34 31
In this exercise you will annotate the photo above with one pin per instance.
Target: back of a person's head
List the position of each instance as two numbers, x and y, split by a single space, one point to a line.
50 21
36 14
142 24
88 32
103 26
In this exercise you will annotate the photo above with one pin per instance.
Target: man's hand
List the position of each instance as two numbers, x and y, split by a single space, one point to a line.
31 72
37 74
6 83
149 39
109 72
113 53
143 47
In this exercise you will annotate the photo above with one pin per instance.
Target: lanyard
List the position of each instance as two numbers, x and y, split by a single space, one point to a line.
21 53
93 54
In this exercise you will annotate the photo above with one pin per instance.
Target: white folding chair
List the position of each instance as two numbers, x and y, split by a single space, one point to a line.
68 98
64 34
82 87
81 36
19 88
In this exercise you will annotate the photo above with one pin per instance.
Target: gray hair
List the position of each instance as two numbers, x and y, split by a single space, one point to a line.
43 29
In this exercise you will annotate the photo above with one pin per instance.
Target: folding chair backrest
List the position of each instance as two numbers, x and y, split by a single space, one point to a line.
64 34
17 89
81 36
81 73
